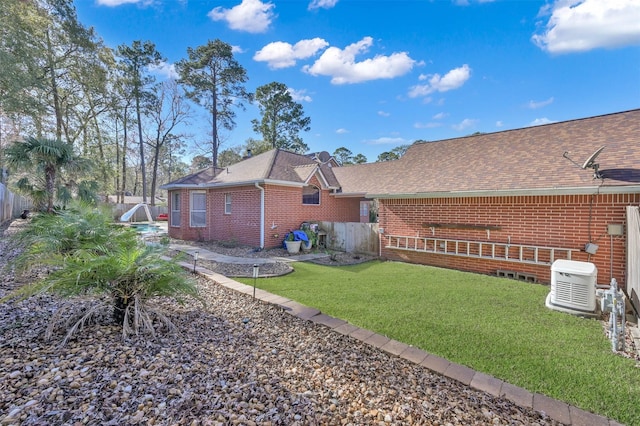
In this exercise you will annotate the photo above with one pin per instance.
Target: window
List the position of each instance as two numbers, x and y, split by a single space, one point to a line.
175 209
198 204
310 195
364 209
227 203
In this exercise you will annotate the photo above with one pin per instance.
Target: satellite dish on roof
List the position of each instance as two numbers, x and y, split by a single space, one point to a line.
590 163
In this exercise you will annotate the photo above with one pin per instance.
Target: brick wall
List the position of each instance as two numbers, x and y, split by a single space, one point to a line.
567 221
283 211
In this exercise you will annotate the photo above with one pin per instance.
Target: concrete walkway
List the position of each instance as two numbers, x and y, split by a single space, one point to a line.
222 258
555 409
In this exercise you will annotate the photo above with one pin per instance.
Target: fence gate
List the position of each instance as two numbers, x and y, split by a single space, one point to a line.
351 237
633 256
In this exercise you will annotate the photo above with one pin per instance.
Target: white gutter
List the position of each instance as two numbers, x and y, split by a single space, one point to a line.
261 214
514 192
231 184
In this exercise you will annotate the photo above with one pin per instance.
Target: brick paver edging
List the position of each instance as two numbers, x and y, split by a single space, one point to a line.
557 410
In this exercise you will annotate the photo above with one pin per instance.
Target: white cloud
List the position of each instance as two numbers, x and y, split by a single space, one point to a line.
467 2
541 121
283 55
383 114
113 3
581 25
252 16
540 104
342 131
499 123
299 95
440 116
237 49
164 69
465 124
322 4
454 79
386 141
430 125
342 67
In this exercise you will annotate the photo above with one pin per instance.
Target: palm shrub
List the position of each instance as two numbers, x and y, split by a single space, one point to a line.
87 255
42 162
52 236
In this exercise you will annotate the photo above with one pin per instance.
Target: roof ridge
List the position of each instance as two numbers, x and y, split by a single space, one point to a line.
272 162
519 129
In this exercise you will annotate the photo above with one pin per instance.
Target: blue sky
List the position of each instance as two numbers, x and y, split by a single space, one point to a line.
375 74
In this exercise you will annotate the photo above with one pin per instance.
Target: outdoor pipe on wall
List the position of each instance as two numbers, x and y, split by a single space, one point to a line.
261 214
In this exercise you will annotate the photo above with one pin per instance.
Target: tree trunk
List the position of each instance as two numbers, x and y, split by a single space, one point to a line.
54 88
50 181
124 155
117 183
119 308
154 176
214 129
142 165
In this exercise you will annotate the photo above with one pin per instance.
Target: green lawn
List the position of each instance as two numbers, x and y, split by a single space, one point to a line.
495 325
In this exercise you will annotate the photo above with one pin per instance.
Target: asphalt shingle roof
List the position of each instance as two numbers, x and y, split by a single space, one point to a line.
524 159
531 158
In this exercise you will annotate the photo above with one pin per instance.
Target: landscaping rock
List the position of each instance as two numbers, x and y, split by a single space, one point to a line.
236 361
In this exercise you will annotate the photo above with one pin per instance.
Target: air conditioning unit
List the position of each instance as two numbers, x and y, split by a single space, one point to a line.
573 287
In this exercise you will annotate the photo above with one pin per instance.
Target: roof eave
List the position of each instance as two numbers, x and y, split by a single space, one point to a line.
620 189
232 184
349 194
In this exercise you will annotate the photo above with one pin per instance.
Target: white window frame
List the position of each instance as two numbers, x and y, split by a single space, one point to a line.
195 213
176 218
364 208
319 195
227 203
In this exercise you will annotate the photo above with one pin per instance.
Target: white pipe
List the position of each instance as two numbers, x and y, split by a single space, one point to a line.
261 214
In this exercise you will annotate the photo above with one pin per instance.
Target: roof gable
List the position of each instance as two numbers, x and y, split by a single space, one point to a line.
275 165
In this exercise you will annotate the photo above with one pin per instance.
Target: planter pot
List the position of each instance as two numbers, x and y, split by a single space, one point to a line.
306 245
293 247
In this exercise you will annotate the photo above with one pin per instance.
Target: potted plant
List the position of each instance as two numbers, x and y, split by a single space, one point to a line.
292 245
312 238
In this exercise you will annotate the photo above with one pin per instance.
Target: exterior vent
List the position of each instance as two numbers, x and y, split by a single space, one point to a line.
573 287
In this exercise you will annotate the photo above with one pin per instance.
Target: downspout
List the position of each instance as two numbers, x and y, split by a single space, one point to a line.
261 214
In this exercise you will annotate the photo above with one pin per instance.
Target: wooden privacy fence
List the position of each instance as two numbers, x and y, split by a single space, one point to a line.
351 237
11 205
633 256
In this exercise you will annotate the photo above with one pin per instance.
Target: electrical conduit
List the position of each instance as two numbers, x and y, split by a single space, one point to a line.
261 214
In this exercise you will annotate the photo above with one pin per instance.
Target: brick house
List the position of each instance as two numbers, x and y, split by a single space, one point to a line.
505 203
511 202
258 200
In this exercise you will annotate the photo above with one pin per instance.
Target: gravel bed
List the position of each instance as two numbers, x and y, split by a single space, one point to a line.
234 362
333 258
